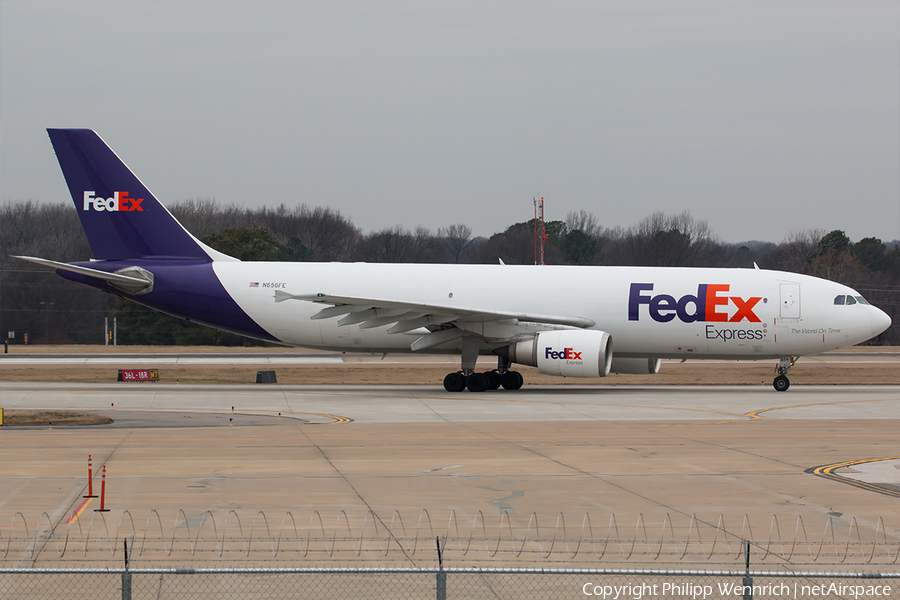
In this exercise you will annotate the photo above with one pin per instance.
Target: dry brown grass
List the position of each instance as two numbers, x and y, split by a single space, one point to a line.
809 372
43 418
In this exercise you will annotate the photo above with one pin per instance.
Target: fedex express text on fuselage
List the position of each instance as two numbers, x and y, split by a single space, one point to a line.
710 305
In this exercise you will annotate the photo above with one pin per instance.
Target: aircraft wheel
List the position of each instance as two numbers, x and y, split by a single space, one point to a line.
781 383
493 378
455 382
511 380
477 382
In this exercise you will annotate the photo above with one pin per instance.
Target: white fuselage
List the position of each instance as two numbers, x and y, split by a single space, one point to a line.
649 311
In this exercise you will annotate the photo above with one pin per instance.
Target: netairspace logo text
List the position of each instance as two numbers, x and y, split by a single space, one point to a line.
734 589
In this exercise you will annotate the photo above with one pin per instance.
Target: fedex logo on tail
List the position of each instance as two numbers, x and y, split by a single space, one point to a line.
119 202
710 304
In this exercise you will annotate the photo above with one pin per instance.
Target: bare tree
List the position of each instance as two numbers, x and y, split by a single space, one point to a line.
329 234
204 216
795 252
583 221
456 239
392 245
668 240
428 249
35 300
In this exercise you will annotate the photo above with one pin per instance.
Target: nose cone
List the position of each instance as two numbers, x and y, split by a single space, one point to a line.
880 321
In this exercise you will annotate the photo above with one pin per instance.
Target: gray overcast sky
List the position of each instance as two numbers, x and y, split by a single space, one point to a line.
760 117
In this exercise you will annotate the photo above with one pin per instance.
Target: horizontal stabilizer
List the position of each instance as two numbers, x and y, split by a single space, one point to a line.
128 283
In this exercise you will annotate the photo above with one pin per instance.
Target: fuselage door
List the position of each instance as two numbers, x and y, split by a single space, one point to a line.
790 300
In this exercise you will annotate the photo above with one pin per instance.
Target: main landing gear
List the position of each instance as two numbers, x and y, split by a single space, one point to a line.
479 382
782 383
467 378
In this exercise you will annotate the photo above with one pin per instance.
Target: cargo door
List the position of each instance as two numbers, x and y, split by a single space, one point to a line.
790 300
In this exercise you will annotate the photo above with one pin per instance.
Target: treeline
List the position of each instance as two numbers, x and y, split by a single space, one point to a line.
52 310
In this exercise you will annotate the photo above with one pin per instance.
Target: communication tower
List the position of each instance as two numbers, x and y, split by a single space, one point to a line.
540 232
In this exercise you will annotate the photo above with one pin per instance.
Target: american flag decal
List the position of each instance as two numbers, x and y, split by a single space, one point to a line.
254 284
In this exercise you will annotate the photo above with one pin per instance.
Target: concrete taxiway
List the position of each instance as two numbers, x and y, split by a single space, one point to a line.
431 404
681 451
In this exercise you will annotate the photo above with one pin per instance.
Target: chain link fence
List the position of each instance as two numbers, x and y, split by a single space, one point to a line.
449 584
256 540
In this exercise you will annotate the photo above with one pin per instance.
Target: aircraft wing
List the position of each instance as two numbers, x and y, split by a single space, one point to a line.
407 316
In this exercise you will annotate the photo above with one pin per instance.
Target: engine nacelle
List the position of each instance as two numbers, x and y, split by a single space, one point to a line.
569 353
635 366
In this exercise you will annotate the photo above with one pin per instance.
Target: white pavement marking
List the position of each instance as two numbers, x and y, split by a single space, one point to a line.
879 471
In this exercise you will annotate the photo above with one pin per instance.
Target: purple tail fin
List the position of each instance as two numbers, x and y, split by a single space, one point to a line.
120 216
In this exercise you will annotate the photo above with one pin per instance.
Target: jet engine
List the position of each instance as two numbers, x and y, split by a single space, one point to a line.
569 353
635 366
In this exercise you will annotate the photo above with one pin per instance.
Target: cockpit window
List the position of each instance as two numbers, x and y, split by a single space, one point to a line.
842 300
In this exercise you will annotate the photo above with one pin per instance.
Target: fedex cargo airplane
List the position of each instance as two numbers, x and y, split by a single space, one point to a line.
569 321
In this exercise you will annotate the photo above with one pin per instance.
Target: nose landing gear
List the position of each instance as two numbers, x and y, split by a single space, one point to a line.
781 382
